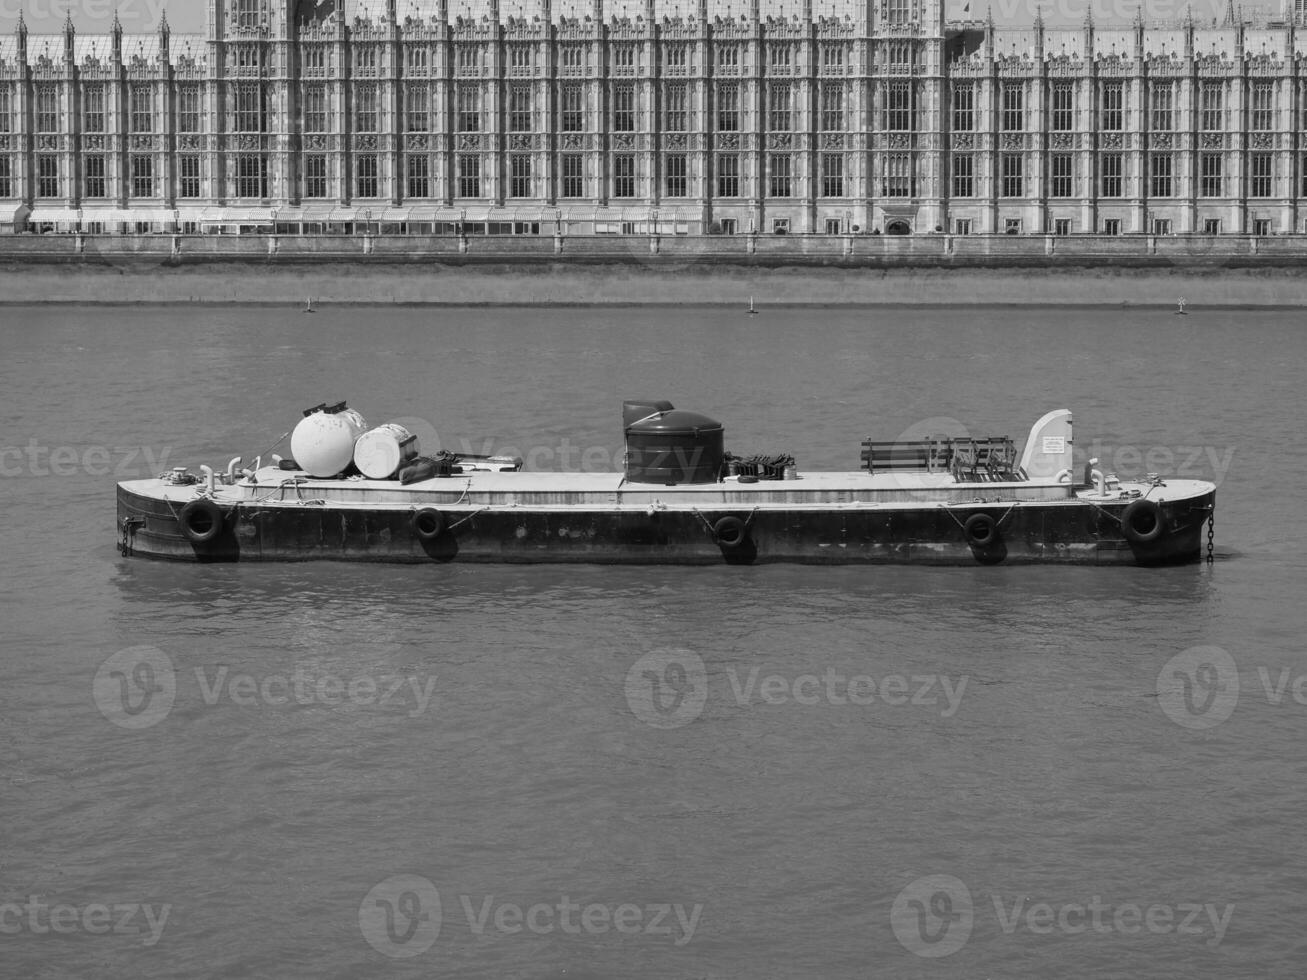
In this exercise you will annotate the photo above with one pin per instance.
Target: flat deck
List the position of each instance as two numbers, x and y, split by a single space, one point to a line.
607 491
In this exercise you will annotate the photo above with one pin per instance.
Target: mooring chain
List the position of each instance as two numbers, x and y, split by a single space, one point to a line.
1211 534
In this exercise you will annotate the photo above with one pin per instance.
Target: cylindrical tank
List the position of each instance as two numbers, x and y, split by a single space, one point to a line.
380 452
323 441
636 409
674 447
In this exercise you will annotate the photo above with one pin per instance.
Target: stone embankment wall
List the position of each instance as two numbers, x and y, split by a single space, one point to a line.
858 269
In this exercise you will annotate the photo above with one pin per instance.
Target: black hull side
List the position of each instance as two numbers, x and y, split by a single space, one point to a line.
1077 532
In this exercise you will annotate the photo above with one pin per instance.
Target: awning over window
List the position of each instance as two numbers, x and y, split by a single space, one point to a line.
646 214
108 216
54 216
12 216
230 216
313 214
531 212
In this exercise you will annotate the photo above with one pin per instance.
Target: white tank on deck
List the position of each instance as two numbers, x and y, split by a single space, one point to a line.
380 452
323 442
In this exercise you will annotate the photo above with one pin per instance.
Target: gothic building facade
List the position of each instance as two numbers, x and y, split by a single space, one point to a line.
726 117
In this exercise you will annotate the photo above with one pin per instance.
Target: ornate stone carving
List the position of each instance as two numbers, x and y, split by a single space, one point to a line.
1262 141
1061 141
674 141
1012 141
1211 141
1112 141
93 142
623 141
4 143
469 142
188 142
780 141
519 141
248 141
47 142
899 141
365 142
571 141
728 141
315 141
963 141
832 141
1161 141
417 141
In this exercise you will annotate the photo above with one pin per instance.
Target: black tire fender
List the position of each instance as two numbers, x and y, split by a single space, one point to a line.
981 530
201 521
428 524
1141 521
730 532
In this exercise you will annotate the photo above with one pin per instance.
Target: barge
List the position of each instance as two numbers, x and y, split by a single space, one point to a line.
350 493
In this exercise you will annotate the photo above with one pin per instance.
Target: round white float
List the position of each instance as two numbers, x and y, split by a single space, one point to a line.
323 444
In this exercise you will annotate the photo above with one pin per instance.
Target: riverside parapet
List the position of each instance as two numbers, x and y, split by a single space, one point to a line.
825 270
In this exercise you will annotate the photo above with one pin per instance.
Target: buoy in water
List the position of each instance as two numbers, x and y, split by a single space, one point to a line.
1180 311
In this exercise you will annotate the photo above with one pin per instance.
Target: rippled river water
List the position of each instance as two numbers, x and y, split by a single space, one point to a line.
329 770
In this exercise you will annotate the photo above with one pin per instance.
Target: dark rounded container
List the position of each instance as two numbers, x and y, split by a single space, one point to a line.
638 408
675 447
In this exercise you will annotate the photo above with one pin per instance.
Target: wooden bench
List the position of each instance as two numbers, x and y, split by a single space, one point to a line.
930 454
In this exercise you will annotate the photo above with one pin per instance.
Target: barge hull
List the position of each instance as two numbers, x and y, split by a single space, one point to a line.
1058 532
